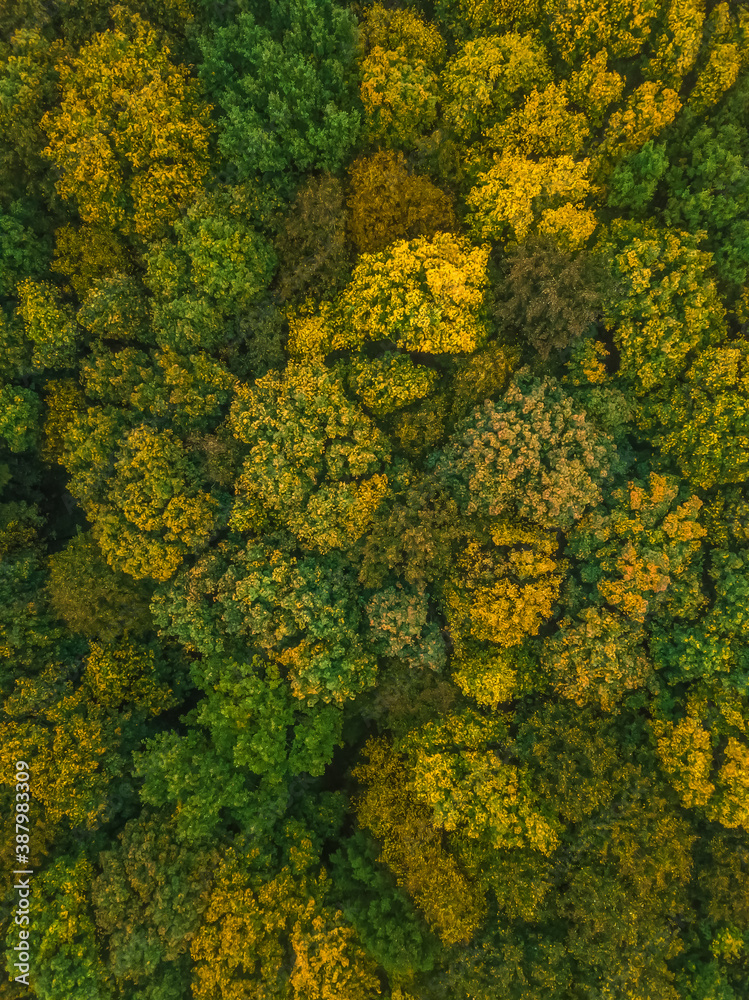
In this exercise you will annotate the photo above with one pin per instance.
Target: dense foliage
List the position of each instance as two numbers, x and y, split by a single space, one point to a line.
374 499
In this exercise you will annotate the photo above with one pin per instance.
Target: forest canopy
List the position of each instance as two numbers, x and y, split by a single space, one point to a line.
374 499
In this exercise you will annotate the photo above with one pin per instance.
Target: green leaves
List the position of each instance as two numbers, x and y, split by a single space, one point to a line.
285 86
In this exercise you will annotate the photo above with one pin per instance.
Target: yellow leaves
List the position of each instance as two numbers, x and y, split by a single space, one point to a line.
731 807
121 678
311 336
412 847
329 962
489 676
130 138
503 594
190 520
647 111
679 45
581 27
595 88
570 225
544 126
423 294
49 324
485 76
456 769
686 754
597 658
389 383
720 74
666 304
404 29
509 199
399 97
718 782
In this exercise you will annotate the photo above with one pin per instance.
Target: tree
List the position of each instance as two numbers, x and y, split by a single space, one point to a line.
678 46
314 457
460 769
114 308
487 75
706 427
647 111
548 296
466 19
219 265
20 411
304 612
130 138
546 125
400 628
425 295
93 599
519 195
643 556
28 78
274 934
390 928
662 304
89 254
49 325
532 455
312 241
248 729
502 588
388 203
67 959
400 96
77 734
25 246
157 512
596 657
391 29
284 81
581 28
389 382
412 846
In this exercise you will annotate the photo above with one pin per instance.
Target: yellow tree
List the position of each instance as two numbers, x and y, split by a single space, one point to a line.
459 768
581 27
399 96
412 846
423 294
486 76
518 195
405 29
502 590
130 137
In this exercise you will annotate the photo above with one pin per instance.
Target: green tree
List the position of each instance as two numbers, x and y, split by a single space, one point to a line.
662 304
284 80
314 458
219 265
